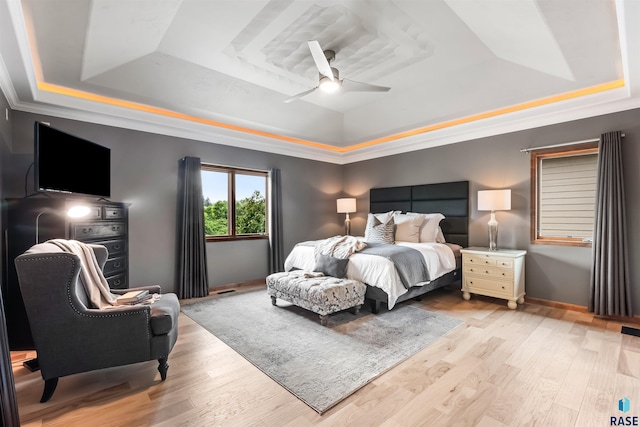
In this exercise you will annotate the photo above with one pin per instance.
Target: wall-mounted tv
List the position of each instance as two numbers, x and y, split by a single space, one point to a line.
67 164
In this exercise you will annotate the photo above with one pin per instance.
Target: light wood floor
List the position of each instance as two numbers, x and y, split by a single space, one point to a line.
533 366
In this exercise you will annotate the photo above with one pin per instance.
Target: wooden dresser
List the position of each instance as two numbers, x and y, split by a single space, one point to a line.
106 225
498 274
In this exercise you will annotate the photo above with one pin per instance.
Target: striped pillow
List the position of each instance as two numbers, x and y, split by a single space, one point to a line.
378 231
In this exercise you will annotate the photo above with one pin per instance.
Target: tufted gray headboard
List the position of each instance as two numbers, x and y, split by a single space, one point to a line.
448 198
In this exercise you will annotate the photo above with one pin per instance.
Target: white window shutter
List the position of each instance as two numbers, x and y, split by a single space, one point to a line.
566 196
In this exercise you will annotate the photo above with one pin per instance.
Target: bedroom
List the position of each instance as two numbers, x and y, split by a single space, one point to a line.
147 175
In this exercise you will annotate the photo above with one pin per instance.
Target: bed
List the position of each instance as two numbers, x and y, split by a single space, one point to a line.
384 285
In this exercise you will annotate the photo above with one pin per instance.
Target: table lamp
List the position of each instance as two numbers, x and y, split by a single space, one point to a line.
347 206
494 200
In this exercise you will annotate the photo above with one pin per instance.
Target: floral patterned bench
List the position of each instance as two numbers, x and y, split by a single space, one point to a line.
315 292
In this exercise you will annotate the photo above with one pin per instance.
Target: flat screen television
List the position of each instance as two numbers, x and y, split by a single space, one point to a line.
67 164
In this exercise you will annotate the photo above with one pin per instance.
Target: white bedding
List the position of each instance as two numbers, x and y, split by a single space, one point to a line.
379 271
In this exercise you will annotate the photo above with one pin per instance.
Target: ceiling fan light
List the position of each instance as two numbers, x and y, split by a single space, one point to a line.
329 86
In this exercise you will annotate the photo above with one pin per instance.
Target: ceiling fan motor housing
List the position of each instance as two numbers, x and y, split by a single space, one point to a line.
336 74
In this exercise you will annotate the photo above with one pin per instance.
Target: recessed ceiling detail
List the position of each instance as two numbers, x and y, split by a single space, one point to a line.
146 23
457 68
515 31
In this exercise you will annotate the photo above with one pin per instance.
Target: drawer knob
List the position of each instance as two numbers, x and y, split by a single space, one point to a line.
116 265
486 271
115 247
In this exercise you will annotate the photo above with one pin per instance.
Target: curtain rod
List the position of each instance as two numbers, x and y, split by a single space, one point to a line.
586 141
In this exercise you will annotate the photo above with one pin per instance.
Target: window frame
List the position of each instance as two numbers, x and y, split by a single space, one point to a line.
536 156
231 199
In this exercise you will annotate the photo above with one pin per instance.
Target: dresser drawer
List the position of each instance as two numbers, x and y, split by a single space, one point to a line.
490 286
115 247
92 231
95 212
114 265
118 281
488 271
111 212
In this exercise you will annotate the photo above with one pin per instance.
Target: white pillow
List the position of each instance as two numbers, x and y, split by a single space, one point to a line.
430 226
408 227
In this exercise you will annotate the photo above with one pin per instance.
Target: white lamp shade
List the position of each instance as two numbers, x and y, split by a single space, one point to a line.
494 200
347 205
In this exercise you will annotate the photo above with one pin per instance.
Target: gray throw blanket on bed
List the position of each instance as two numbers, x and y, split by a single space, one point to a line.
409 262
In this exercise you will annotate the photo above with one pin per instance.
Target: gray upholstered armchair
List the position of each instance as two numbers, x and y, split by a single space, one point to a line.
70 337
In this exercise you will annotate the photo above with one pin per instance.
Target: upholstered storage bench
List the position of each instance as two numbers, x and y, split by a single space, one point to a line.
320 294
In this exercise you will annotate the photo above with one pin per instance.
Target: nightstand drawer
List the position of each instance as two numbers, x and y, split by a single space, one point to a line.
488 260
488 285
488 271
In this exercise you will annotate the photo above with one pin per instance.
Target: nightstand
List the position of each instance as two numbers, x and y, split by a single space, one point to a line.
498 274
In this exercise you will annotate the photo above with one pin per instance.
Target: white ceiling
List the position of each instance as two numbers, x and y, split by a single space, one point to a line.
219 71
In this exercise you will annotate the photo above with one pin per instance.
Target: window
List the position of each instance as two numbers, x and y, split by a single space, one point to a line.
563 185
235 203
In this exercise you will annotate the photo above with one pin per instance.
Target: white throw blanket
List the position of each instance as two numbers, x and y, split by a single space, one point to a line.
339 246
91 275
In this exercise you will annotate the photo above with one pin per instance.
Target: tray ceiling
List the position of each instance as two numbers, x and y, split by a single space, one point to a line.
219 71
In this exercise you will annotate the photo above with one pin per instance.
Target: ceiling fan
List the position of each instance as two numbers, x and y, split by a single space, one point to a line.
330 77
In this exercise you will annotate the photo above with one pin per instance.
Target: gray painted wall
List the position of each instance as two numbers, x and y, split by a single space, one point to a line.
556 273
145 174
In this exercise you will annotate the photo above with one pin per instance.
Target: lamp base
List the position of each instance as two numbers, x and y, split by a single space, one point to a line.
347 226
493 233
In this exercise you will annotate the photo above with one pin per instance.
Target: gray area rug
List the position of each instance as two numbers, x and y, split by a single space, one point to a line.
321 365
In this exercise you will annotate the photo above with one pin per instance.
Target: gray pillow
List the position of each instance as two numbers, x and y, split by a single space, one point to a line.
330 266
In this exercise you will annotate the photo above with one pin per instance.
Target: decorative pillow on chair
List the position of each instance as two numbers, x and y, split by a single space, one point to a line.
330 266
378 231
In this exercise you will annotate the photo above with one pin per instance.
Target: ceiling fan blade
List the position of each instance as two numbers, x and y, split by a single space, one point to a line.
353 86
300 95
321 61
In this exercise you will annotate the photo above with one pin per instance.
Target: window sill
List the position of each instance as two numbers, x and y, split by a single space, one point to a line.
547 241
234 238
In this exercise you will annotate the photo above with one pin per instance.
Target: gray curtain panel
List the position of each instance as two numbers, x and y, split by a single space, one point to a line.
276 253
9 416
192 257
610 286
